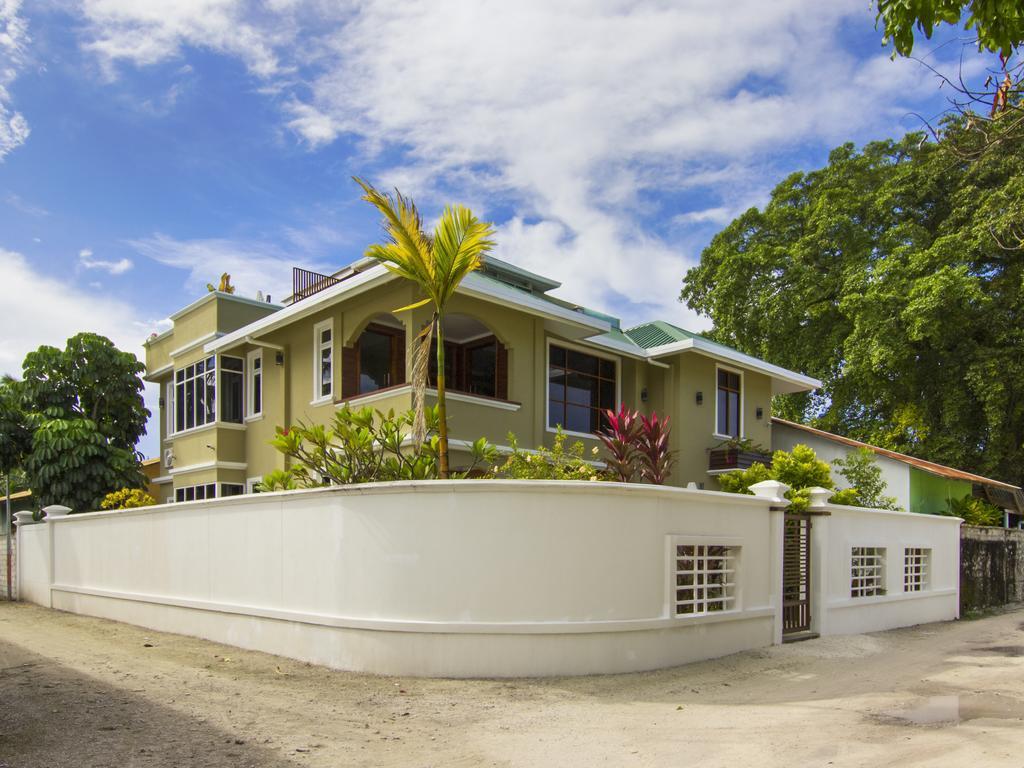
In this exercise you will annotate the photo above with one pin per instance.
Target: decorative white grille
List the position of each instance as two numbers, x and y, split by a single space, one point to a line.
916 567
867 572
705 578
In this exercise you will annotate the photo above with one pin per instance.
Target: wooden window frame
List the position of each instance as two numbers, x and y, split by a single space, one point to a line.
551 343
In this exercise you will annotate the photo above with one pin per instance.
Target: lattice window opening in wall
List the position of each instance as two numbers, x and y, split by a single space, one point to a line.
916 569
867 572
704 578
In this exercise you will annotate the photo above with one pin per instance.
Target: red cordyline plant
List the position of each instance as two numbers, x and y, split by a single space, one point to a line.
620 440
638 446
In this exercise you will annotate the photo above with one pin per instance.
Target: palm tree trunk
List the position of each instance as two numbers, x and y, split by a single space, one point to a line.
442 407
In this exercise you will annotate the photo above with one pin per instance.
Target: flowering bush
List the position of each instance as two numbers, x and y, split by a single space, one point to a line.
363 446
127 498
555 463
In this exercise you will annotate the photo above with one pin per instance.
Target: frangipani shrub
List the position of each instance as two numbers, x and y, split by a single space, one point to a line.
363 446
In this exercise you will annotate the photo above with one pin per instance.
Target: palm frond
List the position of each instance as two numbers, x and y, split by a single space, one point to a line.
460 242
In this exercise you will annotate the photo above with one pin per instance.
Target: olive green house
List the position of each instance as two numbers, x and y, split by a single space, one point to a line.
518 359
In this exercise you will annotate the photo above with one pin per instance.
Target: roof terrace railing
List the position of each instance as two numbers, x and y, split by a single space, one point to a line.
306 283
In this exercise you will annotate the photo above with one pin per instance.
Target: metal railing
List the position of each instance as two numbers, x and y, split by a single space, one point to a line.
306 283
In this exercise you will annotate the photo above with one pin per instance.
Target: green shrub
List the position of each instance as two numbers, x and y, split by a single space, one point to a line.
127 498
975 511
800 469
363 446
865 476
555 463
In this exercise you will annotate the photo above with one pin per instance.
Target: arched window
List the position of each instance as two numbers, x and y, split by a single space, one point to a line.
475 361
377 359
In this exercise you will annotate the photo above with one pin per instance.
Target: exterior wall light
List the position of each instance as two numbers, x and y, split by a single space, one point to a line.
279 358
643 395
700 398
760 412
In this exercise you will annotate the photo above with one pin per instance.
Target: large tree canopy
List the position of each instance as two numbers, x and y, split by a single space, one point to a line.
77 414
896 275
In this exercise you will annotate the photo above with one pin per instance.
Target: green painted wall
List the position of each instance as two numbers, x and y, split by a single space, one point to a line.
929 493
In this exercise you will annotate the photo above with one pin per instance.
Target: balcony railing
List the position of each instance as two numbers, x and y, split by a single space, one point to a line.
727 459
306 283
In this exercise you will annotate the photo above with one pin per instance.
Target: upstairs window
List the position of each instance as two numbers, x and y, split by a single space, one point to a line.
231 386
323 361
376 361
195 395
580 386
255 386
728 403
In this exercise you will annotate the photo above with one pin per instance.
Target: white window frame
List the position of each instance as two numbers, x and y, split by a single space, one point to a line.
730 600
866 565
184 489
216 394
221 374
250 385
318 346
220 489
547 382
251 483
743 396
917 569
169 405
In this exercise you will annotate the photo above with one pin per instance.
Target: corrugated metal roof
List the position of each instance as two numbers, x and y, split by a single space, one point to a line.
928 466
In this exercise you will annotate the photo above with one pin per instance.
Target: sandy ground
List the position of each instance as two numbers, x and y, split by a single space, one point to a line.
77 691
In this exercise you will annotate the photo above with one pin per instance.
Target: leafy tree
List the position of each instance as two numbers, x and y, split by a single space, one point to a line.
83 407
864 475
895 275
800 469
15 436
999 24
437 264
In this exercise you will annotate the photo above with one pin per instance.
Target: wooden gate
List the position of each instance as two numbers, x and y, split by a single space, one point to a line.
796 575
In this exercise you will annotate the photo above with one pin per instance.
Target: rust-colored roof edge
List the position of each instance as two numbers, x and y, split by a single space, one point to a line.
928 466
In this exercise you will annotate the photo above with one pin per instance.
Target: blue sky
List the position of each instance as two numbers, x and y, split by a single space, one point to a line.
149 146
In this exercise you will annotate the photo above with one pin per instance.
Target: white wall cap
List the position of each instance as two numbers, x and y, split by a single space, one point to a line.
819 496
771 490
56 510
24 517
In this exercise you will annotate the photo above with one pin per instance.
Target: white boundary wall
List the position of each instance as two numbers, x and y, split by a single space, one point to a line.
462 578
833 538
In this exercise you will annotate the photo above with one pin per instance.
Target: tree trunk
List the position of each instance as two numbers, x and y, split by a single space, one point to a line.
442 408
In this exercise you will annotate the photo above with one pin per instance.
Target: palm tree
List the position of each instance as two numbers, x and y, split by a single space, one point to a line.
437 264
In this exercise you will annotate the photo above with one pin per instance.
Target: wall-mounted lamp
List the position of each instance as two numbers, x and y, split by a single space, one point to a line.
161 402
700 398
643 395
759 413
279 358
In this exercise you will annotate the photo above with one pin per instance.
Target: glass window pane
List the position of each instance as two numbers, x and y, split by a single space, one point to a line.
231 364
734 414
578 418
190 400
257 393
482 375
326 372
211 397
558 356
231 398
582 362
556 385
723 416
607 369
581 390
179 407
608 394
556 414
325 336
190 493
374 361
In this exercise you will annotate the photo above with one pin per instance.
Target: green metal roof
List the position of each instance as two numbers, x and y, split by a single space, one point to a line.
658 333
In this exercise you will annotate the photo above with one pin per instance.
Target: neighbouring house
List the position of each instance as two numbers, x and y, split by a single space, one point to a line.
917 485
232 369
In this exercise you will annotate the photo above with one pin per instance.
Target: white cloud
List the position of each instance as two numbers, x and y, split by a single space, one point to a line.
580 116
14 129
144 32
253 266
118 267
39 309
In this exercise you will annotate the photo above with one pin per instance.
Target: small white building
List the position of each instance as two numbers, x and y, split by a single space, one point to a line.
918 485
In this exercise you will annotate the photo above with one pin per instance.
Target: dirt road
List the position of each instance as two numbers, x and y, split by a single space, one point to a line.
76 691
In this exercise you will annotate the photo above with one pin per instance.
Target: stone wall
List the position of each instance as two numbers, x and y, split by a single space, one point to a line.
991 567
